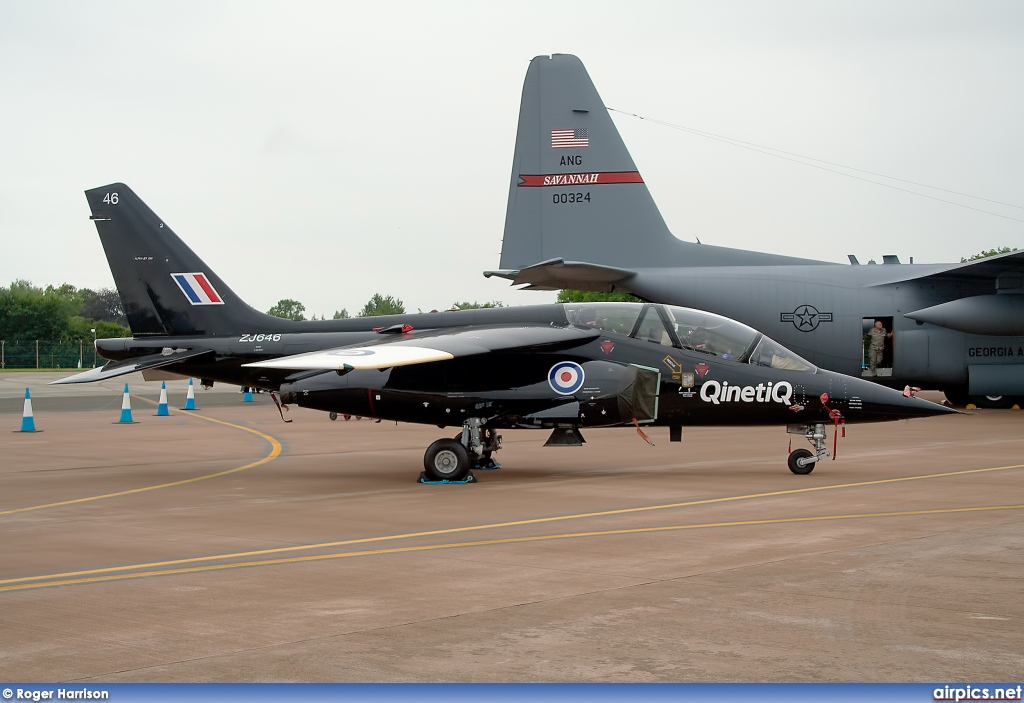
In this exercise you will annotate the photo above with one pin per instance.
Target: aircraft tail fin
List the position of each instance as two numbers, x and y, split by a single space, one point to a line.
575 192
165 288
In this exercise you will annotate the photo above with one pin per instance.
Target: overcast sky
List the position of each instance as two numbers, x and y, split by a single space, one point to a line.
326 151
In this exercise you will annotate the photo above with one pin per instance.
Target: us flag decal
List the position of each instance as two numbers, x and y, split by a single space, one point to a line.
569 138
197 288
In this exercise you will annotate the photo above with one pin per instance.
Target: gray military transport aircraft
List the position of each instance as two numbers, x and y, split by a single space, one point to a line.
559 367
580 216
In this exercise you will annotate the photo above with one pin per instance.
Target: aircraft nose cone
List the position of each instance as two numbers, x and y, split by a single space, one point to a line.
895 404
866 401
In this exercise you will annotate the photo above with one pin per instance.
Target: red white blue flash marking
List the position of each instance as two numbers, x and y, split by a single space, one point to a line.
197 288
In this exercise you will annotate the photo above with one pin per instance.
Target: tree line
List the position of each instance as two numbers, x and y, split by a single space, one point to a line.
292 309
63 313
66 313
985 254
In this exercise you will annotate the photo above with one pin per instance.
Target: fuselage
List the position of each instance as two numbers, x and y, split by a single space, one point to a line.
651 364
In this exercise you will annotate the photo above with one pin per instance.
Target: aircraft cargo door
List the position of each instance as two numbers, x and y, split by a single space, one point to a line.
638 395
877 362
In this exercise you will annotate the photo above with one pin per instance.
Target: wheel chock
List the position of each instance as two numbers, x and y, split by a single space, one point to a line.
470 478
487 465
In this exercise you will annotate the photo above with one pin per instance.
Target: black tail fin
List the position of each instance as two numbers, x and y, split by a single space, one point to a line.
576 193
164 287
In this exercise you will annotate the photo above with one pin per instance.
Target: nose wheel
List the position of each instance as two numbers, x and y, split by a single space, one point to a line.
802 461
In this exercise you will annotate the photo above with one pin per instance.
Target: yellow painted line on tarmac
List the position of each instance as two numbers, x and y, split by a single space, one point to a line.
275 451
489 542
492 526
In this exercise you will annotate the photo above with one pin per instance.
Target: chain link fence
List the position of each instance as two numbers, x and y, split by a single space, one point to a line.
47 354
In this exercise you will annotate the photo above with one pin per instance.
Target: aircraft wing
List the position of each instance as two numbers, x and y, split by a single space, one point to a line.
139 363
990 268
555 274
434 345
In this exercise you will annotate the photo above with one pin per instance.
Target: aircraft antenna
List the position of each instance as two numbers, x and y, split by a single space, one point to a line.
769 151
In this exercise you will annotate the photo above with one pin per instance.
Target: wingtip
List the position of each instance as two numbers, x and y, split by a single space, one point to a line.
510 274
64 381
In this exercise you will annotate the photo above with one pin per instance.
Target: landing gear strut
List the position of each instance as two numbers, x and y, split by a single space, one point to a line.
453 459
802 461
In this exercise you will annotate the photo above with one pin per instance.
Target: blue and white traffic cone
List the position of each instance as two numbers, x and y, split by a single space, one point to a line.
161 408
190 398
126 409
28 420
247 398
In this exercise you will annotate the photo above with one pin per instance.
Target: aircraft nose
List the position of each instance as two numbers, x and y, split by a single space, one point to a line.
870 402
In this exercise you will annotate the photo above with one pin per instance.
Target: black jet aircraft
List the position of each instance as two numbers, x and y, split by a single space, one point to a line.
555 367
580 216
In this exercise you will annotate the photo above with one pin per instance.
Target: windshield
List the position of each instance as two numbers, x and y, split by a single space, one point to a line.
773 355
618 318
710 333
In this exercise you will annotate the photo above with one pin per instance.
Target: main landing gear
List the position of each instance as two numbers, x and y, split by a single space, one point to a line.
453 459
960 398
802 461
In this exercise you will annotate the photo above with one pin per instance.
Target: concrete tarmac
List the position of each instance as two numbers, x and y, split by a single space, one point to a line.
101 394
226 545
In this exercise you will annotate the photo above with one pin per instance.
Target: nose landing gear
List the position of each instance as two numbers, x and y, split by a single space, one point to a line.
802 461
453 459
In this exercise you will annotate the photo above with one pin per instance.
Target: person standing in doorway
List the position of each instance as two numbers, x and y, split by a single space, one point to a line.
876 347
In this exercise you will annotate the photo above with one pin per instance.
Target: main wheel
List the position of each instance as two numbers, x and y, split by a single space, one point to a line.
333 416
794 458
446 459
1000 402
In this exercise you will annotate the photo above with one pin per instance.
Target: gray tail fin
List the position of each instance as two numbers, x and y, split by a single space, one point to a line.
575 192
164 287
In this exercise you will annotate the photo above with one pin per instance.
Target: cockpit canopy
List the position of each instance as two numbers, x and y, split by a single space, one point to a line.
686 328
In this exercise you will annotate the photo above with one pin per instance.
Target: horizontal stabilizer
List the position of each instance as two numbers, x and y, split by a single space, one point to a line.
435 345
126 366
556 274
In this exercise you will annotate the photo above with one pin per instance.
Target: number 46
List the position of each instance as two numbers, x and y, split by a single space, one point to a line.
110 198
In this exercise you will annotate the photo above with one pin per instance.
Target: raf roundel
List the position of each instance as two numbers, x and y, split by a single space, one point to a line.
566 377
351 352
